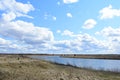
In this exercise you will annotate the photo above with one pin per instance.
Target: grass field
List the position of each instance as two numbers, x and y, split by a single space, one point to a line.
15 67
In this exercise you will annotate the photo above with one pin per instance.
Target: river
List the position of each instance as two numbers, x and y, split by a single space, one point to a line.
96 64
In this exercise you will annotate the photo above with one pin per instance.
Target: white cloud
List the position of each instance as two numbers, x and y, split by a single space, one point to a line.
8 46
58 3
110 32
12 5
4 45
54 18
69 15
4 42
58 31
25 31
90 23
77 43
15 9
70 1
109 12
80 43
27 36
48 16
67 33
8 16
112 36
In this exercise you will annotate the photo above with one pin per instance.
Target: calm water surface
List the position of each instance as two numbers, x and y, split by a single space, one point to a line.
97 64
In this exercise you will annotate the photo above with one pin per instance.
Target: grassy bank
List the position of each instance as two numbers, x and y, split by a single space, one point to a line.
17 67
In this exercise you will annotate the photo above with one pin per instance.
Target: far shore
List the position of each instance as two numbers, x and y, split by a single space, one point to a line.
85 56
93 56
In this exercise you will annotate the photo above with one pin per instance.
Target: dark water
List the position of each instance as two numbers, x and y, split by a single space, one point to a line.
97 64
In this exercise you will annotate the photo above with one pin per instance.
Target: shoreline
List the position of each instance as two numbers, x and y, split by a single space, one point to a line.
84 56
22 67
93 56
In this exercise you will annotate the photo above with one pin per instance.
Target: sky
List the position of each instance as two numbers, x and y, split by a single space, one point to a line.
60 26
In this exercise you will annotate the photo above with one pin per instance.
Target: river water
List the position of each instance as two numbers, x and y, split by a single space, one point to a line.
97 64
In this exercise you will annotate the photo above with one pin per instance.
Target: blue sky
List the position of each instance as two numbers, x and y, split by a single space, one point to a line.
60 26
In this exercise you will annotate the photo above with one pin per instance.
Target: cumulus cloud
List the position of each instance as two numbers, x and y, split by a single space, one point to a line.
70 1
69 15
26 31
4 42
8 16
8 46
90 23
110 32
12 5
4 45
26 35
67 33
18 29
80 43
112 36
109 12
15 9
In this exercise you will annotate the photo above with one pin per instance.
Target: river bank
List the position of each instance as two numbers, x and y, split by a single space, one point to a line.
93 56
16 67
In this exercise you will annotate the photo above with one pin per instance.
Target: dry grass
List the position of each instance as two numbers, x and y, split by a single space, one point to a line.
19 68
